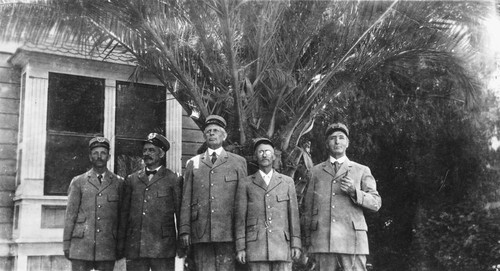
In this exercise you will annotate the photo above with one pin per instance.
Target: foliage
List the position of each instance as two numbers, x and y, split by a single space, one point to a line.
435 174
269 67
401 74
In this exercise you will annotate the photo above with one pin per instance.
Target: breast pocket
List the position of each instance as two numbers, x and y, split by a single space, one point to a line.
282 197
231 177
162 193
113 198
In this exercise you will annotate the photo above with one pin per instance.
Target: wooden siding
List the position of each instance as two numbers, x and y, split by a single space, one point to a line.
9 118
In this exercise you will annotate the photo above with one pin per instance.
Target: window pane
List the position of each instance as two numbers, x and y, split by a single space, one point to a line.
67 156
140 110
128 157
75 104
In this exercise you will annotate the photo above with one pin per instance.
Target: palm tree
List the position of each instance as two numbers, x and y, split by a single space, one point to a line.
269 67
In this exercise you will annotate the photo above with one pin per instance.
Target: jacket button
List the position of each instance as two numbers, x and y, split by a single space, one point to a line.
98 230
98 218
334 181
268 207
333 220
212 172
98 206
213 197
143 213
211 184
145 201
270 231
333 194
213 211
100 194
269 218
147 189
333 206
267 195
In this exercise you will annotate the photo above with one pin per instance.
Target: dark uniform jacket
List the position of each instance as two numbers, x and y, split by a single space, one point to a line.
334 222
267 218
150 207
208 197
92 217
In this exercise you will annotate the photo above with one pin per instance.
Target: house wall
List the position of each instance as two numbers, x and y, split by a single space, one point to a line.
9 121
39 254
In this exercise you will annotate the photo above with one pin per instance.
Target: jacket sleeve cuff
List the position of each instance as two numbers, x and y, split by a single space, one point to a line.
240 244
296 242
184 229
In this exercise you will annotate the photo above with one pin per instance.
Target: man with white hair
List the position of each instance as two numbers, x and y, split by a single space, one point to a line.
207 208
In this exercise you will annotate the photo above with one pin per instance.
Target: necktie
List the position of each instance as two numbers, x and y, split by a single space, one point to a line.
99 177
214 157
150 172
336 165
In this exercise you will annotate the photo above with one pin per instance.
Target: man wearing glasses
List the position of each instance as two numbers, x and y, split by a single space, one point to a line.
267 216
210 183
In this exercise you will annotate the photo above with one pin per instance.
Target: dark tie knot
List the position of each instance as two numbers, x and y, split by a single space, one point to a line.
99 177
149 172
214 157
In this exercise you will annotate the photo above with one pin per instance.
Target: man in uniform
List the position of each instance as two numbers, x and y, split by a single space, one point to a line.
267 216
339 192
152 199
93 213
210 183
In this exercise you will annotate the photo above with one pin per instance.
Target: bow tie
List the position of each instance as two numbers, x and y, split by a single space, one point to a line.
149 172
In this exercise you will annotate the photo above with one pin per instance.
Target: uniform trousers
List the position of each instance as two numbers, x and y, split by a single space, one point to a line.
220 256
156 264
81 265
336 261
270 266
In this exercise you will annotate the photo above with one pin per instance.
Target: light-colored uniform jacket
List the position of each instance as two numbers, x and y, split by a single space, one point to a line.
334 222
150 208
267 218
92 217
207 209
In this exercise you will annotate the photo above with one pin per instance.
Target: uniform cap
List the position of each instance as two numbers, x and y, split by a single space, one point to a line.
261 140
217 120
98 141
158 140
336 127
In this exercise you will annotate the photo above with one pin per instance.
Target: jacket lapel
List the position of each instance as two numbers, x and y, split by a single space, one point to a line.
160 174
143 177
328 167
92 179
223 157
106 181
343 170
257 180
275 181
205 159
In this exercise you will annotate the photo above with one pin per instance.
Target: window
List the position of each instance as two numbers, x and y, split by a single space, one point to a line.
75 115
140 110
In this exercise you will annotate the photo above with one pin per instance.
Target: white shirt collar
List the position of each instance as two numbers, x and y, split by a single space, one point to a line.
341 160
157 169
266 177
97 174
217 151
